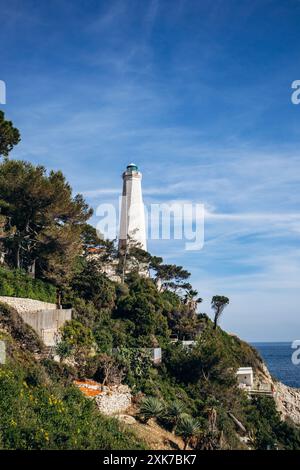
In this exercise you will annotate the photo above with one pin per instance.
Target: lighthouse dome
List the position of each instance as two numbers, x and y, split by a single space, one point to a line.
132 167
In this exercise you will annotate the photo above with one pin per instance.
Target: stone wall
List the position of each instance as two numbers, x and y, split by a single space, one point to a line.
26 305
111 400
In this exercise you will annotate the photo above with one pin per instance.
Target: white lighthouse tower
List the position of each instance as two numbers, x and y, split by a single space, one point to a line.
132 223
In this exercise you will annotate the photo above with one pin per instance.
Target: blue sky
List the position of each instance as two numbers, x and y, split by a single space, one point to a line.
198 94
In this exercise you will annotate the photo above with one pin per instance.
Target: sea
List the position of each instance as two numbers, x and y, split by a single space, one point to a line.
278 358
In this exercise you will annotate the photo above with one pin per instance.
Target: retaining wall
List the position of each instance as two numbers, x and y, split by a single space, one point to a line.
43 317
23 305
47 323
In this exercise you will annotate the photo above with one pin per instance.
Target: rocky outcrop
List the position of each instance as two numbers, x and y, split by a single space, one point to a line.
288 402
287 399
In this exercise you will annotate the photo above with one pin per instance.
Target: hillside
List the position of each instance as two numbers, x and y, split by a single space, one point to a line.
134 327
39 406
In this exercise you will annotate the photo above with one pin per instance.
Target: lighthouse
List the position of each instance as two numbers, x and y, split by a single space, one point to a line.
132 222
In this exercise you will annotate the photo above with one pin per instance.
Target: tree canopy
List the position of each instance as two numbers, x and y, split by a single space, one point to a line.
218 304
43 221
9 135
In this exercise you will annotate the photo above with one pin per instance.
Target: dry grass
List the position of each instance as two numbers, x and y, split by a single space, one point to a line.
155 437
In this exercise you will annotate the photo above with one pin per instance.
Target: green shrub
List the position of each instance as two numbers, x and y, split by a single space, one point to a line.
269 431
16 283
137 363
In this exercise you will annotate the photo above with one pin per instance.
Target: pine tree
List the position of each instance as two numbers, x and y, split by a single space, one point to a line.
9 135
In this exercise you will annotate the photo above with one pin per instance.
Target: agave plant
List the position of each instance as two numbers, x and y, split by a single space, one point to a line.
174 412
187 428
152 407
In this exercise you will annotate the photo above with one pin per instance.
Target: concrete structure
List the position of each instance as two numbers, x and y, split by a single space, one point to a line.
47 323
245 377
188 344
173 338
132 222
2 352
43 317
156 355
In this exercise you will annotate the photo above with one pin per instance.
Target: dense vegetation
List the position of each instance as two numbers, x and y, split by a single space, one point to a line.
16 283
39 412
192 393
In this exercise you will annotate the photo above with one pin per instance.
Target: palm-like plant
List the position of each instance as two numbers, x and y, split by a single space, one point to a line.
174 412
187 428
151 407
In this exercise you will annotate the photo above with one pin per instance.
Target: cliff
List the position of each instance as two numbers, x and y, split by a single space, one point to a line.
287 399
288 402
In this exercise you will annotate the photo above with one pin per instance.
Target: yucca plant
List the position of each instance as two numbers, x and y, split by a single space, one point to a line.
151 407
174 412
187 428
